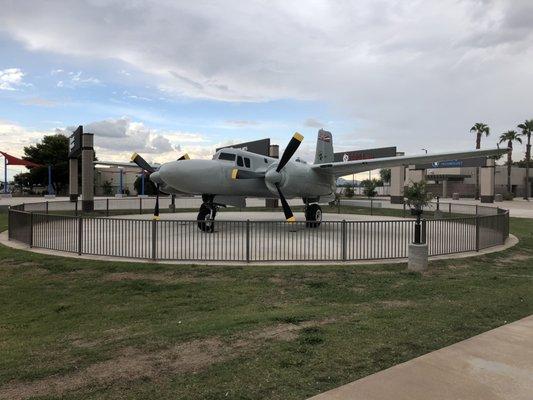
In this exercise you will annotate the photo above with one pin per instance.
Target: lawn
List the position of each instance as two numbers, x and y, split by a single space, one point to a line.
86 329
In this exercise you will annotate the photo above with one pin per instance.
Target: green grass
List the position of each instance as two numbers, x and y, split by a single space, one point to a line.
86 329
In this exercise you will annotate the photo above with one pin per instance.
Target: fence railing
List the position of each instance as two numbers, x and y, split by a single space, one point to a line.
44 226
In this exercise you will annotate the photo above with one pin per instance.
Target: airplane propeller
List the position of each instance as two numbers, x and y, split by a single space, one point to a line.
143 164
273 177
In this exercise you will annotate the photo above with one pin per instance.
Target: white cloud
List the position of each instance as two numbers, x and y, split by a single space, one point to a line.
74 79
313 123
11 78
404 71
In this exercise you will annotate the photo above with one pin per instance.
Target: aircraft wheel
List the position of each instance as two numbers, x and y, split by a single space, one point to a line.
313 216
206 219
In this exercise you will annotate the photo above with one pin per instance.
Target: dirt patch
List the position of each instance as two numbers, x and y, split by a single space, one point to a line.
517 257
396 303
130 364
135 276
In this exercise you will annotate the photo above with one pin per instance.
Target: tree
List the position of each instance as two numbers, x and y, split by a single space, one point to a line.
479 129
527 129
107 188
348 192
385 175
53 150
369 186
149 186
417 197
509 137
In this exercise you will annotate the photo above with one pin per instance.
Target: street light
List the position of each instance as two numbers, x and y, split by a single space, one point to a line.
426 150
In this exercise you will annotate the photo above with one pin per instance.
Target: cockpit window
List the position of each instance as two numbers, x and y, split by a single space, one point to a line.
239 161
247 162
226 156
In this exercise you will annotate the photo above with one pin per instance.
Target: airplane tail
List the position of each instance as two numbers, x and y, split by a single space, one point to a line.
324 147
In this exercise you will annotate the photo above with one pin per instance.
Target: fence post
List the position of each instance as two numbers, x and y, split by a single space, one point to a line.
247 240
371 207
80 235
424 231
449 208
154 239
344 238
76 207
476 210
46 207
140 205
107 207
477 232
31 230
403 212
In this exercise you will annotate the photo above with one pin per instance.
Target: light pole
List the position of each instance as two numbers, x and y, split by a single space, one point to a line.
426 150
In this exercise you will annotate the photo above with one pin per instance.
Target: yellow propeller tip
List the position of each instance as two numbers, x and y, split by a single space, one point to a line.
234 173
133 156
291 219
186 157
155 218
298 137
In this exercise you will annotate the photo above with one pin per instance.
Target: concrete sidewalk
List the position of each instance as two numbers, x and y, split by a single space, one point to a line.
497 364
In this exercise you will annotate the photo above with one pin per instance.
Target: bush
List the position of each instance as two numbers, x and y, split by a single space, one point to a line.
370 187
508 196
348 192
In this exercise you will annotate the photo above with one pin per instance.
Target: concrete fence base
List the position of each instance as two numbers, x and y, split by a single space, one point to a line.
418 257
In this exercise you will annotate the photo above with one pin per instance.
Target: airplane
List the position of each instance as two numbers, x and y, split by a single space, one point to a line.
233 175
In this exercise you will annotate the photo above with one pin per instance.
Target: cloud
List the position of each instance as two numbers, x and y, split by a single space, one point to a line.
39 101
11 78
313 123
240 123
402 71
74 79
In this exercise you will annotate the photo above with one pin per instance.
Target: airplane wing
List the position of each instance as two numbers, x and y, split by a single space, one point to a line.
354 167
120 164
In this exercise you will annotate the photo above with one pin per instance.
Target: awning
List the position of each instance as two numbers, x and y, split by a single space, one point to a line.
12 160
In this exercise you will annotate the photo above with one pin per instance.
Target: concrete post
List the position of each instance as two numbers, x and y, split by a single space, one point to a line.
487 182
445 188
73 179
397 182
274 153
87 172
418 257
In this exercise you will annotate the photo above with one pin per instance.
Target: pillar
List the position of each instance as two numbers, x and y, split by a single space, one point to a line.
73 179
87 172
487 182
445 188
416 175
397 181
274 153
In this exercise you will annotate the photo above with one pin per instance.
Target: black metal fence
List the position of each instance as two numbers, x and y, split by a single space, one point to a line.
461 228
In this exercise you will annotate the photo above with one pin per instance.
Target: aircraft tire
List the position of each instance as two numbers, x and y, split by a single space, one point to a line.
313 216
205 223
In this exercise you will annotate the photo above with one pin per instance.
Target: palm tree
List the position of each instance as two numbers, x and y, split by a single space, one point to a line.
480 129
509 137
527 129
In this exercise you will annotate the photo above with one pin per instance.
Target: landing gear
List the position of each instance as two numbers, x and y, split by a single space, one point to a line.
313 215
206 218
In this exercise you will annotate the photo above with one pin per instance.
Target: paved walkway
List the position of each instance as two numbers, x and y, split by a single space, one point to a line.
495 365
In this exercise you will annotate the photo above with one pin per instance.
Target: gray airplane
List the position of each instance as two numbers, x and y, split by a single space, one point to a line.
232 175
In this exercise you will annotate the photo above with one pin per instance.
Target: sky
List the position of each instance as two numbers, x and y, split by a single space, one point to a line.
167 77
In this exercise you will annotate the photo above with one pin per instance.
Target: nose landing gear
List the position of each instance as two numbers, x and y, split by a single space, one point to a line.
313 215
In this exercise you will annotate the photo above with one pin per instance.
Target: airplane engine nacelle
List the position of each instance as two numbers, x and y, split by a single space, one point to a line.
298 180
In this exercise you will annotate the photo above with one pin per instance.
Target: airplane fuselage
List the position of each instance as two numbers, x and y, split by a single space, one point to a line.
214 176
